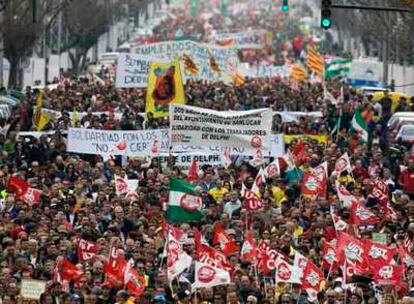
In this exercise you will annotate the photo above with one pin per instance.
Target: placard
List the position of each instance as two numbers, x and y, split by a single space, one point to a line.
132 70
32 289
130 143
202 127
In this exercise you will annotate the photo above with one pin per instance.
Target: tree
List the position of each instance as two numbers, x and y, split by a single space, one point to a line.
85 21
20 31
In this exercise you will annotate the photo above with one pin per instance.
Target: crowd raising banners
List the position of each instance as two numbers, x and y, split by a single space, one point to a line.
191 177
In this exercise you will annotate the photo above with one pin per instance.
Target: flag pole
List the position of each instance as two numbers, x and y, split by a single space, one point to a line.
329 272
165 249
195 295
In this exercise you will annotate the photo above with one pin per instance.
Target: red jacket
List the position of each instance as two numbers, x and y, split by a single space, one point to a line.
407 181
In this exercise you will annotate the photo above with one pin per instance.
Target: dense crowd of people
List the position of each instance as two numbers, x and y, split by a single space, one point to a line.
79 201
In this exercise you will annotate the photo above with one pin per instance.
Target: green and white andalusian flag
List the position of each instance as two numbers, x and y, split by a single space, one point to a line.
337 68
185 204
359 126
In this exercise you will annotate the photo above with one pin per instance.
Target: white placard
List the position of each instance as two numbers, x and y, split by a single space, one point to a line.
130 143
32 289
229 129
132 70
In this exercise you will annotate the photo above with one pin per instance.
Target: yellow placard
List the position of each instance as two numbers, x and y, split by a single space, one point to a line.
165 86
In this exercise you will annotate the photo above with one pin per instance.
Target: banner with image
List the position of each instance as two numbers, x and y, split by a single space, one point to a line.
202 127
129 143
132 70
199 54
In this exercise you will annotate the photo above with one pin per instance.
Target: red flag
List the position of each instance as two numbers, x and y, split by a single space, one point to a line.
227 244
299 153
312 280
251 201
115 269
86 250
17 186
248 250
329 258
361 215
379 190
24 192
193 172
267 257
378 254
69 271
133 281
315 183
353 250
388 274
213 257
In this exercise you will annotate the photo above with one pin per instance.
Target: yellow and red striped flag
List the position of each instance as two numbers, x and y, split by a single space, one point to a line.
213 64
298 73
189 65
315 62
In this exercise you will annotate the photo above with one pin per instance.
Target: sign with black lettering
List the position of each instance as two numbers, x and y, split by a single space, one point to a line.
248 130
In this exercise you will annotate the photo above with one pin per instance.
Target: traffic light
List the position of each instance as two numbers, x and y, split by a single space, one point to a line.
326 21
285 6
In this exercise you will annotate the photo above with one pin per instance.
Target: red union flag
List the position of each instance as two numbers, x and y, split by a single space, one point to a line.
378 254
329 258
315 183
211 256
388 274
251 201
248 250
86 250
209 276
380 190
221 237
351 249
24 191
362 216
312 280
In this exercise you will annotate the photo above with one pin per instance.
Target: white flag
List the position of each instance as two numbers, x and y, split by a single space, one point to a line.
121 184
273 169
344 196
209 276
342 164
287 273
258 181
177 259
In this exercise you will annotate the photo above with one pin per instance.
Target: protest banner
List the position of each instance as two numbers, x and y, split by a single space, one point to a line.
198 52
183 161
228 129
323 139
130 143
244 40
32 289
132 70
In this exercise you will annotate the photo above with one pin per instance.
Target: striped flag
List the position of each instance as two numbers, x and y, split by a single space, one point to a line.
213 64
337 68
189 65
315 62
298 73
